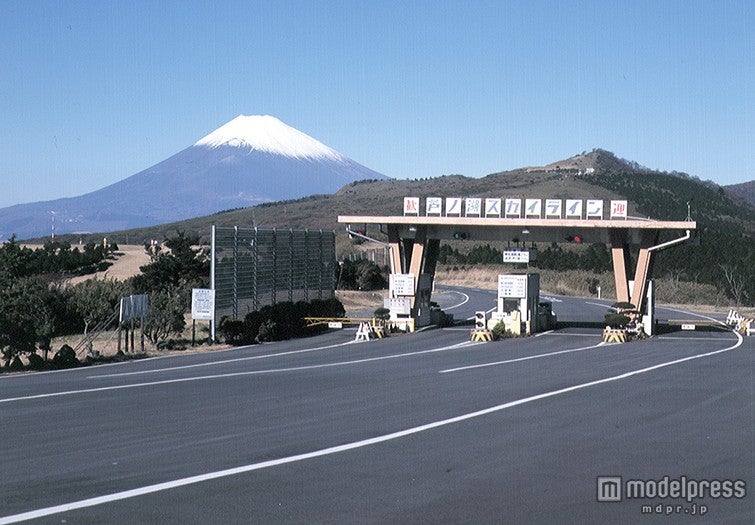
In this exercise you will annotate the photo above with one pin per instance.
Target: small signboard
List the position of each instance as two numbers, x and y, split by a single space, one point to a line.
434 205
516 256
492 207
134 307
453 206
398 305
411 205
202 304
335 324
619 209
401 284
512 286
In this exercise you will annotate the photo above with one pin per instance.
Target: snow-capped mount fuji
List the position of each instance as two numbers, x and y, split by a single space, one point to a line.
267 134
248 161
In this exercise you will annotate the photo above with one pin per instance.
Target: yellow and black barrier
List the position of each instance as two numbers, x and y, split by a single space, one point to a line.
614 335
483 336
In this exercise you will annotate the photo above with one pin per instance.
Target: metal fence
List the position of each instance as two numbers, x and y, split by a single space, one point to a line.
254 267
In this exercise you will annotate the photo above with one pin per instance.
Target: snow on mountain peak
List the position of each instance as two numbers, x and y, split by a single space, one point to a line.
269 135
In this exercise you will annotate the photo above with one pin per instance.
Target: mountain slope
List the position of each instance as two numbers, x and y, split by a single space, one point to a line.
744 191
250 160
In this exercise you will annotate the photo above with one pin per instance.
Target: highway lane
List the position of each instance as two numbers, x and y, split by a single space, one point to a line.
200 414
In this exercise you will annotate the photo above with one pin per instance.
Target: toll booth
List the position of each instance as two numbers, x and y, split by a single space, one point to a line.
518 300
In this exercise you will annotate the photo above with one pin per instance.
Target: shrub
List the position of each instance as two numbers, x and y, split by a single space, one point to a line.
382 313
65 357
279 321
500 331
616 320
36 361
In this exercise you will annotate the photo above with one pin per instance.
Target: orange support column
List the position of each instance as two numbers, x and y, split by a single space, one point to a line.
620 256
395 244
642 272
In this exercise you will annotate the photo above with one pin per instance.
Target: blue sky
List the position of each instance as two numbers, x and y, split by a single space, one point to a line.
92 92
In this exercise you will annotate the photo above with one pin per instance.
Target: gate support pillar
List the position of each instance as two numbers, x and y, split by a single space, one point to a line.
620 257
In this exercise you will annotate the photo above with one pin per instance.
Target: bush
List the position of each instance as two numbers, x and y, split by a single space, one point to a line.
278 321
65 357
500 331
382 313
36 362
616 320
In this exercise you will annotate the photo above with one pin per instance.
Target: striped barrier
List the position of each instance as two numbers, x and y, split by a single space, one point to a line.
483 336
614 335
743 325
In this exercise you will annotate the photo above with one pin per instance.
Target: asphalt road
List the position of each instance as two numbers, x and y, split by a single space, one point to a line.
421 428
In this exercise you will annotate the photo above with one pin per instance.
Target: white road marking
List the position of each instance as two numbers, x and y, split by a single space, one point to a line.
567 334
168 485
214 363
692 338
465 301
599 304
456 346
527 358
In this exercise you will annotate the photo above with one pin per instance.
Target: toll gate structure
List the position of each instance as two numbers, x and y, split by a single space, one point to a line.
414 241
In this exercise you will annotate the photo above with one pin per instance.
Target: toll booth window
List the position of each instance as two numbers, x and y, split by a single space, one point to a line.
509 305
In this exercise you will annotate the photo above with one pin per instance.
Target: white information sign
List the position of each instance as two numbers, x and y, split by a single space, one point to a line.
411 205
512 286
434 205
202 304
594 209
574 208
513 207
474 206
619 209
398 305
401 284
453 206
533 207
553 207
516 256
492 207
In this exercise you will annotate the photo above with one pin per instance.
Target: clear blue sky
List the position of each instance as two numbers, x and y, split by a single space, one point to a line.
92 92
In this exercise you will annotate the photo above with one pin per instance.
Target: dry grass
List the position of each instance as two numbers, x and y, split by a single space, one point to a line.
128 260
361 304
106 343
682 295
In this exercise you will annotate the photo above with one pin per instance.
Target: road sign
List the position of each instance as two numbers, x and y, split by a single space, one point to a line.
202 304
516 256
512 286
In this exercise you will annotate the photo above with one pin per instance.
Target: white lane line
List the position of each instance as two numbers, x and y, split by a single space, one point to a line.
599 304
567 334
693 313
544 333
215 363
457 346
527 358
168 485
693 338
465 301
